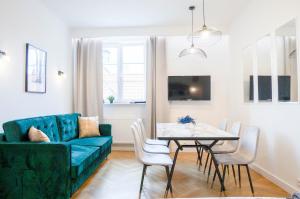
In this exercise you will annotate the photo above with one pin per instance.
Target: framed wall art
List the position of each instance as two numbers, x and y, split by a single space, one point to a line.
36 61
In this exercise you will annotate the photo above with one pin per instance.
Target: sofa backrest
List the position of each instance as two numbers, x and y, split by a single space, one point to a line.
17 130
68 126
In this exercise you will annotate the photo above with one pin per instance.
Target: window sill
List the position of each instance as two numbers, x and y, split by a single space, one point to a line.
124 104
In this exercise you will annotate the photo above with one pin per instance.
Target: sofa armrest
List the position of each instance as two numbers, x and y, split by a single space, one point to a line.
2 137
35 170
105 129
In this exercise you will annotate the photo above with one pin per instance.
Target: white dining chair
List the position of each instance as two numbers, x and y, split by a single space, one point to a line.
223 125
149 159
147 140
159 149
229 146
245 154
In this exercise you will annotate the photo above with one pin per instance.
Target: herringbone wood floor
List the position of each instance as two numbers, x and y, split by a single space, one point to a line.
119 178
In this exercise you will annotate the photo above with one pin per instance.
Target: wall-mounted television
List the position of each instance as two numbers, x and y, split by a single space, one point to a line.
189 88
265 88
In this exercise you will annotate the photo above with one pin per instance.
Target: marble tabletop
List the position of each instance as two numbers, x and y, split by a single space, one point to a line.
200 131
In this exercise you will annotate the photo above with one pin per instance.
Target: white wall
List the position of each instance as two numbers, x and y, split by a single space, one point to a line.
279 148
121 116
30 22
217 65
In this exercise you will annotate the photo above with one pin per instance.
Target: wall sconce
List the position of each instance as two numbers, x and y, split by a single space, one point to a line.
60 73
4 57
2 53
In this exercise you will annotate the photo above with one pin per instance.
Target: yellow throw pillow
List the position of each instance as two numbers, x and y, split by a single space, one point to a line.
36 135
88 127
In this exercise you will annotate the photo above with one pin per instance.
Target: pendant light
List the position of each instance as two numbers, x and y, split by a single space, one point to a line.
206 35
192 49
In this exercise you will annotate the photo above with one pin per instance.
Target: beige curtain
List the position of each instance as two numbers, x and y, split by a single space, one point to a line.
156 92
87 61
162 104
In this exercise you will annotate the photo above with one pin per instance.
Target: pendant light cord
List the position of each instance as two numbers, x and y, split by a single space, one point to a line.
203 8
192 27
192 8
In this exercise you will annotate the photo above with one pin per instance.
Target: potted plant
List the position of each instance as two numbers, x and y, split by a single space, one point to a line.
111 99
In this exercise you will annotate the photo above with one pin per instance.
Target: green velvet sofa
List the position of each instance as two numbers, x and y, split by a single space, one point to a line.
49 170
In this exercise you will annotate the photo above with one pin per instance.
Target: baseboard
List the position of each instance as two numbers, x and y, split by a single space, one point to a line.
122 147
279 182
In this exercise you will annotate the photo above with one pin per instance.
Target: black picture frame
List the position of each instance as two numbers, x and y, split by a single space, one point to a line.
36 70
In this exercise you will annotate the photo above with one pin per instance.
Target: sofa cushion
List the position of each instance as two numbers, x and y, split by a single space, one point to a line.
88 126
68 126
103 142
17 130
82 157
36 135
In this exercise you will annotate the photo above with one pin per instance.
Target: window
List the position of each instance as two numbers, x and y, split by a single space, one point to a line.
124 72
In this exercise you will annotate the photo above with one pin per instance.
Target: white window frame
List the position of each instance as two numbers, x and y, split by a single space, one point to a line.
119 45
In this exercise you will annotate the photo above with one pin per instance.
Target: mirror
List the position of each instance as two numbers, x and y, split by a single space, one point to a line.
286 50
248 74
264 72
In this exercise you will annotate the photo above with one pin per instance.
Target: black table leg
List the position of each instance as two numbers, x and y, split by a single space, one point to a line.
216 166
198 148
173 167
168 143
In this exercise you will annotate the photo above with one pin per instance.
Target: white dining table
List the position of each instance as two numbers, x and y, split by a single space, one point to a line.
203 135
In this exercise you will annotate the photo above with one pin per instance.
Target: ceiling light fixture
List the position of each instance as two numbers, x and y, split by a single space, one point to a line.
206 35
192 49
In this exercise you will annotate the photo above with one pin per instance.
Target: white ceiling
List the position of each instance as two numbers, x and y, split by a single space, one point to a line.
127 13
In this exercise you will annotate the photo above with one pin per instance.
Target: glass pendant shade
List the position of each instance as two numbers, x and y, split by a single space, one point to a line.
193 51
207 36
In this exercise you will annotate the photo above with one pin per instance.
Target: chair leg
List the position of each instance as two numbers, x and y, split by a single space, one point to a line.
209 169
142 181
168 177
250 180
224 172
198 152
208 155
239 173
201 155
213 181
233 171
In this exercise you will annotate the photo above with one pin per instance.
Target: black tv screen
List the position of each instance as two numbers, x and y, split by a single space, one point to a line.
265 87
189 87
